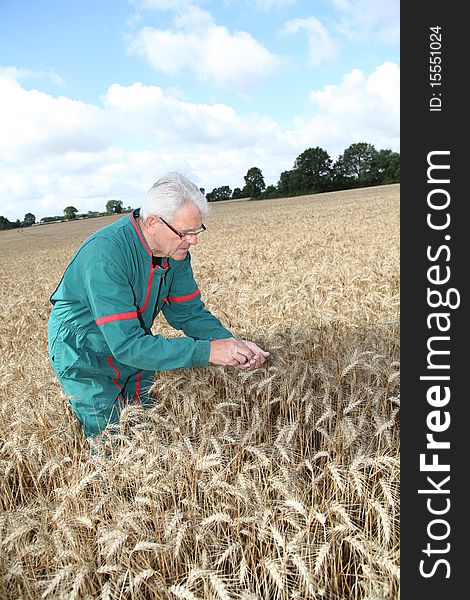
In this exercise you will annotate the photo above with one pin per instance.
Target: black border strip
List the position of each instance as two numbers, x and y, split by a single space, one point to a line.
434 253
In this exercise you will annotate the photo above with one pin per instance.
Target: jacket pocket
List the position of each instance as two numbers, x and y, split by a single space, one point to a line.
63 356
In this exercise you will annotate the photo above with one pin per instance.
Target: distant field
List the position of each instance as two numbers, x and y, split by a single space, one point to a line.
281 483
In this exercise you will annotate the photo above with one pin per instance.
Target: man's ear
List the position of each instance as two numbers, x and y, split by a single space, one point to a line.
151 222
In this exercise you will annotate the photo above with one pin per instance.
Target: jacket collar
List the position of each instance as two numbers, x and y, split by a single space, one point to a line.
134 215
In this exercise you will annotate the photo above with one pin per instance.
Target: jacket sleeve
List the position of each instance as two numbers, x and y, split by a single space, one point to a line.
110 298
184 309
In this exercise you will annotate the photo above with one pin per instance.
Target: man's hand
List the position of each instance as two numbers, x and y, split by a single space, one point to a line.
259 357
237 353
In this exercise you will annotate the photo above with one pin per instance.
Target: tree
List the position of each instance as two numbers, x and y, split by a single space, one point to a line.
314 171
270 192
51 219
29 219
220 193
385 167
354 167
340 179
254 183
5 223
237 194
114 207
70 212
289 183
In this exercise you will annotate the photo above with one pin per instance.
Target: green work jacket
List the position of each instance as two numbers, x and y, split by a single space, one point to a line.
111 293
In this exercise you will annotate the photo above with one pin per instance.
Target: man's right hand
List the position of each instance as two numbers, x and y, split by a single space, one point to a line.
230 352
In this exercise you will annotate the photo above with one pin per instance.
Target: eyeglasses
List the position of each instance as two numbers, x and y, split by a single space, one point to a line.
182 234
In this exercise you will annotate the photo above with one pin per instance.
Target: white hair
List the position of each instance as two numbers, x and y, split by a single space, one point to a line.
170 193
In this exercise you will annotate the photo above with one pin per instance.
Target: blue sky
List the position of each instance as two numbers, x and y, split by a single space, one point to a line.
99 99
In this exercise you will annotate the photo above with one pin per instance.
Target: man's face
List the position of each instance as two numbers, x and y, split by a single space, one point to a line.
168 243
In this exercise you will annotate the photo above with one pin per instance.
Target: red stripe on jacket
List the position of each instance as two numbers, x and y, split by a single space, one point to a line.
149 290
139 233
184 298
116 317
152 270
118 374
137 389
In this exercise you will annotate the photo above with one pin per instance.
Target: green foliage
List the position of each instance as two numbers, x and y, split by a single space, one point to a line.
5 223
50 219
70 212
220 193
254 183
114 207
270 192
289 183
237 194
313 170
354 168
386 167
312 173
360 165
29 219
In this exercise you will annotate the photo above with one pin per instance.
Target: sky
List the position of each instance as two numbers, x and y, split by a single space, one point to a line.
100 99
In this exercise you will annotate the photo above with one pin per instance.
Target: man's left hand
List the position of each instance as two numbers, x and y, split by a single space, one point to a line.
260 356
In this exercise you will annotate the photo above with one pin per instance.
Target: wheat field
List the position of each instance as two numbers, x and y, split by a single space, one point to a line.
280 483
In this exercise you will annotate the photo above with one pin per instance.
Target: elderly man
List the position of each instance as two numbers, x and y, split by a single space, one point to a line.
100 341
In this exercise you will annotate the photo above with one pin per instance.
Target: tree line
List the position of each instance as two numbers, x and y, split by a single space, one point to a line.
313 172
70 214
360 165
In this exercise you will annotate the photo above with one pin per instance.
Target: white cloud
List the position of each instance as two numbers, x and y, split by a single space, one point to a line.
322 46
360 109
15 74
160 4
165 119
55 151
267 5
175 5
33 122
192 18
361 20
210 51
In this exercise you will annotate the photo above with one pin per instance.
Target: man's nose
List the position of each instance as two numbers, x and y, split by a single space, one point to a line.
192 239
